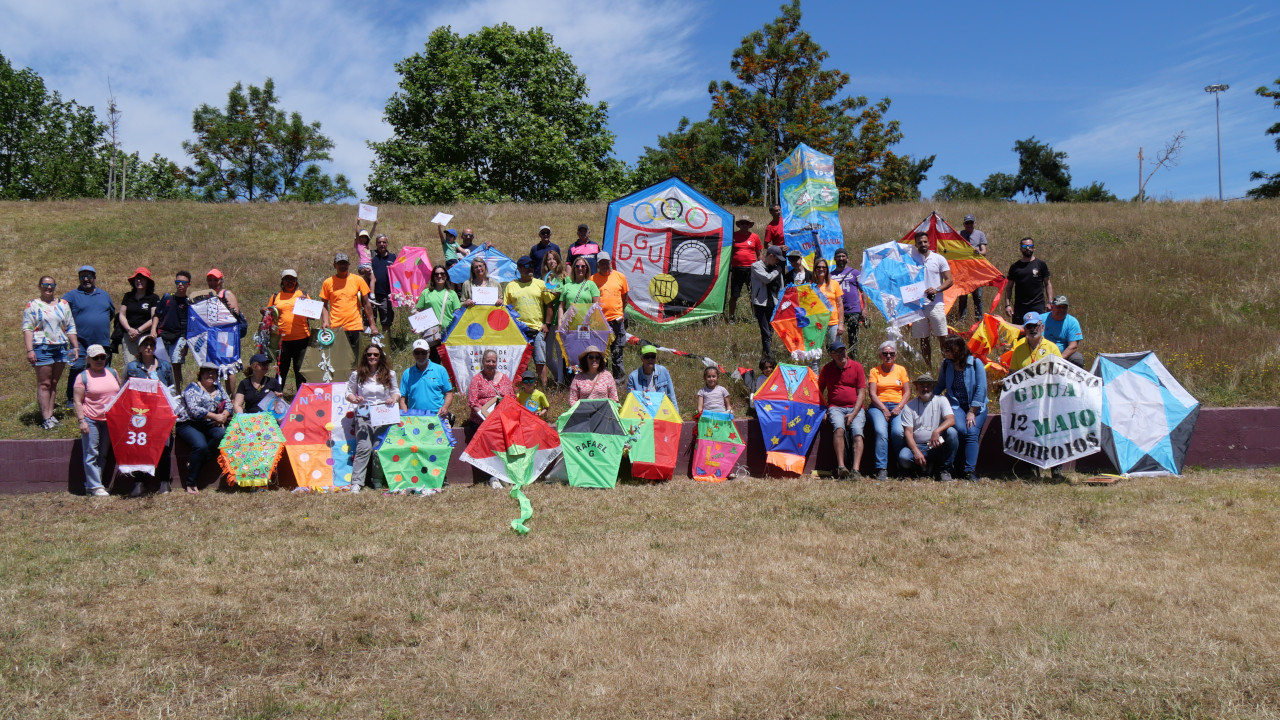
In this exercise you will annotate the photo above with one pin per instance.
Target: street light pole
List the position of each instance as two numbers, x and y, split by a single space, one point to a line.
1217 114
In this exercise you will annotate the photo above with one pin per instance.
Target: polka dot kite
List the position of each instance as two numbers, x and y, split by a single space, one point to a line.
319 432
415 453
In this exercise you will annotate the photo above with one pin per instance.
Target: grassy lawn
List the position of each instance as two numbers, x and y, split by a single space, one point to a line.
753 599
1189 280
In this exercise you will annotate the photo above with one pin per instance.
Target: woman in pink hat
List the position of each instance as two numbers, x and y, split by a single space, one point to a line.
137 313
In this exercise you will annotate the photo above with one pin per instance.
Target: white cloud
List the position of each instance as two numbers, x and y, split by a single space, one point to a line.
331 62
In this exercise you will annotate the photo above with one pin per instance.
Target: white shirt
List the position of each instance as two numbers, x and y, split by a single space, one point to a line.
934 266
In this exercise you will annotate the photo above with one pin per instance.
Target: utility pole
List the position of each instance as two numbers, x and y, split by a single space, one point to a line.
1140 198
1215 90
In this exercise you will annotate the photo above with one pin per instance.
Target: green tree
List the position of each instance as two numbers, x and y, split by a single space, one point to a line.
1093 192
954 189
782 96
1042 171
1001 186
253 151
1270 187
47 145
497 115
156 179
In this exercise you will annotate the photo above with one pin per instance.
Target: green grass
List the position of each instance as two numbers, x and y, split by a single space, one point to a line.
1189 280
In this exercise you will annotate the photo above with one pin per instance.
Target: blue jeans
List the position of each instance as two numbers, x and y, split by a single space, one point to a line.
203 438
936 459
887 433
95 445
968 436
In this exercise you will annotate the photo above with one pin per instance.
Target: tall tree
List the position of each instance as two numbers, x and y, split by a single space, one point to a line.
253 151
782 96
1042 171
500 114
47 145
1270 186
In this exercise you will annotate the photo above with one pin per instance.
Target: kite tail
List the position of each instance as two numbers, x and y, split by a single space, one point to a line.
526 510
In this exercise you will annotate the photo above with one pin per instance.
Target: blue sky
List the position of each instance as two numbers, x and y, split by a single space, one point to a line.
1094 79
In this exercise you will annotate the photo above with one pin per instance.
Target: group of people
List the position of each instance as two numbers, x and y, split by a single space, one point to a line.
916 421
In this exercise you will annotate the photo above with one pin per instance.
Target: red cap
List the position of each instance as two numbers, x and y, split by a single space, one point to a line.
214 273
141 271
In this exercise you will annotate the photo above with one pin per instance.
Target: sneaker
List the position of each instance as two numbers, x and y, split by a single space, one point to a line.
48 424
429 491
882 474
355 489
944 476
973 477
495 483
842 473
100 492
164 488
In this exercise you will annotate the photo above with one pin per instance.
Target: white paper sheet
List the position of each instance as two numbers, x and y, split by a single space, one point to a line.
484 295
368 212
307 308
380 415
913 292
442 218
424 321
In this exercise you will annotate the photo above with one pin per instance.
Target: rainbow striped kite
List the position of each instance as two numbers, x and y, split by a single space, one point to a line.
969 270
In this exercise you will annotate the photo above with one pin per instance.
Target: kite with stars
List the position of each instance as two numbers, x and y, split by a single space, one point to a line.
718 448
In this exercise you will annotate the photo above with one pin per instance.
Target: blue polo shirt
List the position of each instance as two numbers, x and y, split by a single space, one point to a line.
425 389
1061 332
93 313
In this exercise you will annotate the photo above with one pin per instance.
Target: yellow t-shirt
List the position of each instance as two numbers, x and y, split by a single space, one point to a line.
612 287
1024 356
526 298
890 385
534 402
343 296
292 327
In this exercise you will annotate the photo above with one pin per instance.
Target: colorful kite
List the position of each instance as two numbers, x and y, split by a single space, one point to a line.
409 275
477 329
1147 416
810 203
969 270
654 425
801 320
894 282
593 439
415 453
672 243
251 449
516 446
320 436
213 335
718 448
789 408
987 339
581 326
139 420
501 268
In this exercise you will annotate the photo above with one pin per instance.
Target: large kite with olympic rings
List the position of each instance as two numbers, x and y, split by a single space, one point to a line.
672 243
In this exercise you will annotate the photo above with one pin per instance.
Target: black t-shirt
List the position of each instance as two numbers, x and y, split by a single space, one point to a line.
173 317
253 396
382 283
137 310
1028 277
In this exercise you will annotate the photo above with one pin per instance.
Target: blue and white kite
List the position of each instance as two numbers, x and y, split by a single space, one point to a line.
501 268
213 335
1147 416
894 282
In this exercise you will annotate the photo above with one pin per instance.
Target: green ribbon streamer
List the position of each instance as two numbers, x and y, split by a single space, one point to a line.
526 509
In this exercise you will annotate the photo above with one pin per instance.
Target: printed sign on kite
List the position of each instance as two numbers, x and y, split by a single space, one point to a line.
477 329
1147 416
581 326
672 243
718 448
251 449
969 270
802 319
320 436
415 453
654 425
894 282
139 420
592 438
789 408
810 204
1051 413
409 275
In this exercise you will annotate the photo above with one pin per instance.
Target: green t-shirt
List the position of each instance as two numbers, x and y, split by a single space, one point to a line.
442 302
585 292
526 298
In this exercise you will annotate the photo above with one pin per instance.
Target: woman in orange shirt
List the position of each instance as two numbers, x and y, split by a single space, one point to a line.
889 388
835 296
295 330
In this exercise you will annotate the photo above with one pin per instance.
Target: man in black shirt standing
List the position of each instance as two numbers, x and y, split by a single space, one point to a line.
1029 287
382 259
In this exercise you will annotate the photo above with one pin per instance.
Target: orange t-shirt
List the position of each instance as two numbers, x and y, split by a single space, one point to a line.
343 296
889 386
292 327
612 287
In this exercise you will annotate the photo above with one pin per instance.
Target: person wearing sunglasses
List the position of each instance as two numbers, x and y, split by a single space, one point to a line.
593 381
203 413
94 389
171 322
49 331
440 297
963 378
1029 287
93 311
137 315
424 385
889 388
372 383
542 247
533 399
295 330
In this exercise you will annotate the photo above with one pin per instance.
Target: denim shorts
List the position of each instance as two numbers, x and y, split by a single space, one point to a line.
49 354
837 417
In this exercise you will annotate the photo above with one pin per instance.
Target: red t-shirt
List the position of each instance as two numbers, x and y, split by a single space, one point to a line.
745 246
773 234
842 384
